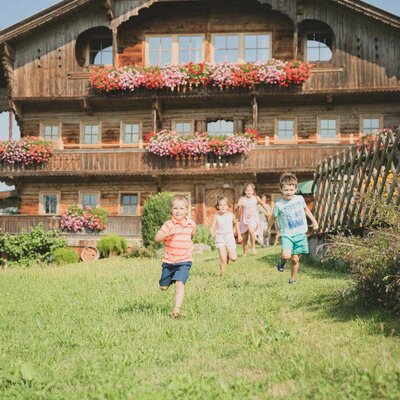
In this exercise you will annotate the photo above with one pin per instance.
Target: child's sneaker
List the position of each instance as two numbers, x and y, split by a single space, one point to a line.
281 266
292 281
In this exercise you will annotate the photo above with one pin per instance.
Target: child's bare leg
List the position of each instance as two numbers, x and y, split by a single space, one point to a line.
222 260
245 238
232 255
180 293
295 266
252 234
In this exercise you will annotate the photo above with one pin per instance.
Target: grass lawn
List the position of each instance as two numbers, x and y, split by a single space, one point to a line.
102 331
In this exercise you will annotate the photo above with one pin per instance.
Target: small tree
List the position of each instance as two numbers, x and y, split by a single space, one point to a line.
156 211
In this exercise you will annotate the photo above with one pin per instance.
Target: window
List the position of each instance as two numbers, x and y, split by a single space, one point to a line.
49 203
256 48
319 47
285 130
220 128
226 48
370 125
100 51
190 49
174 49
89 200
129 204
51 132
90 134
131 133
242 47
183 127
328 129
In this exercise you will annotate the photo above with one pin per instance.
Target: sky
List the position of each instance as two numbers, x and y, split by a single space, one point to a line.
15 11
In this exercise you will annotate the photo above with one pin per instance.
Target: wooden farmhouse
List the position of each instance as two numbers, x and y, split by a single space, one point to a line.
101 157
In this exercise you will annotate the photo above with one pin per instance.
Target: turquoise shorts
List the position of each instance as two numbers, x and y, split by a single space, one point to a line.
297 244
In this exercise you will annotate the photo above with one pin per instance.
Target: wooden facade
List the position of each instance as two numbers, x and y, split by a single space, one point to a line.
44 81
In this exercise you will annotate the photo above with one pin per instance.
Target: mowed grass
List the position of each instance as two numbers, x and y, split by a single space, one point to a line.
102 331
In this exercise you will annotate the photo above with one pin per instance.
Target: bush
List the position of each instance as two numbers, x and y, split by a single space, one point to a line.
64 256
112 244
156 211
142 252
374 257
203 235
28 248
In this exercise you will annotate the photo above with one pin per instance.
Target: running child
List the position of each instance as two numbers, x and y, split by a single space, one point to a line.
177 234
291 214
222 229
248 216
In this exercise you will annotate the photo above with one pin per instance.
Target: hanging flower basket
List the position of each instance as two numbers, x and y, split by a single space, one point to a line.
183 77
168 143
88 220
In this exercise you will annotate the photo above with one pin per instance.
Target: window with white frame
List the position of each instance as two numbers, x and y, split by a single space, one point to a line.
49 203
256 47
190 49
285 130
91 133
101 51
174 49
130 133
242 47
51 132
370 125
319 47
89 200
220 127
183 127
129 203
328 129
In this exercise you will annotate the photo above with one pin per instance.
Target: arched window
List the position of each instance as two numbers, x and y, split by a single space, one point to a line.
220 127
319 47
95 47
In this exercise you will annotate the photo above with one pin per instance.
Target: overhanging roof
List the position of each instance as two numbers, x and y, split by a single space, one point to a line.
67 6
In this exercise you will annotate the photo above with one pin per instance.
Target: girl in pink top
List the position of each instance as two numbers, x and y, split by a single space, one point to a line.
222 230
248 216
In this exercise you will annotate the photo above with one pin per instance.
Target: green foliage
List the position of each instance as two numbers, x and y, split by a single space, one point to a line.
64 256
374 257
112 244
28 248
203 235
156 211
142 252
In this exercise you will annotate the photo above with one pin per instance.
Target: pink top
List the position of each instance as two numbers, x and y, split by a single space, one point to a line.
178 247
249 217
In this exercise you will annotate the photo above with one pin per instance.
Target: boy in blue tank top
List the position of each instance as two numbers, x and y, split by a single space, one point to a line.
290 213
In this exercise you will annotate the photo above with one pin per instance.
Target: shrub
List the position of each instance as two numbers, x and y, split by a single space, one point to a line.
77 219
64 256
30 247
112 244
203 235
156 211
142 252
374 257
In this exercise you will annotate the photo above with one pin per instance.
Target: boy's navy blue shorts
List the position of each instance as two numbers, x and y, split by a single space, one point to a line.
175 272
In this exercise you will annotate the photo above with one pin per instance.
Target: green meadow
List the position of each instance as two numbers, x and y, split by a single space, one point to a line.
102 330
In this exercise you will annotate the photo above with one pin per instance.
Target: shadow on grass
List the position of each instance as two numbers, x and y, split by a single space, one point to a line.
143 307
346 306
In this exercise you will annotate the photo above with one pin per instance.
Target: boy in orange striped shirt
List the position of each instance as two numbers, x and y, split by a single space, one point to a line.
177 235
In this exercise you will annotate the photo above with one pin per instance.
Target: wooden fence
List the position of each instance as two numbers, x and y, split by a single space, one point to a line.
342 182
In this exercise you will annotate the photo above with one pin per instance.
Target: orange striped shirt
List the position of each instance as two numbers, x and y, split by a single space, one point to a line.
178 247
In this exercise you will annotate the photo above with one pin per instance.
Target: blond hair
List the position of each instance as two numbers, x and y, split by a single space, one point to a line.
246 185
180 197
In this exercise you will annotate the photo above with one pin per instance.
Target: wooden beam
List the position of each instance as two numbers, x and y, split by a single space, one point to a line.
109 6
157 115
87 107
255 111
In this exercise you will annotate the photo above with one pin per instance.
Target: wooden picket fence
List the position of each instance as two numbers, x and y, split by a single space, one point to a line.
342 182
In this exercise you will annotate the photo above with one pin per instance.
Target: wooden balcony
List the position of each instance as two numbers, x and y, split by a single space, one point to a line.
123 161
127 226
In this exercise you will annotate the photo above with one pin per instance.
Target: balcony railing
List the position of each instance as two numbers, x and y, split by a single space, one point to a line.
127 226
122 161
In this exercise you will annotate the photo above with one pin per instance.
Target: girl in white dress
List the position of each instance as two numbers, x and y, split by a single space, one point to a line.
222 229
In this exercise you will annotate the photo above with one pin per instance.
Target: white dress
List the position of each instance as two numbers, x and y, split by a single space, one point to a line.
224 236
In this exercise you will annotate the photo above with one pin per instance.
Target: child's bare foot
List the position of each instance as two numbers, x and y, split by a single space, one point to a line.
176 313
245 254
253 251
